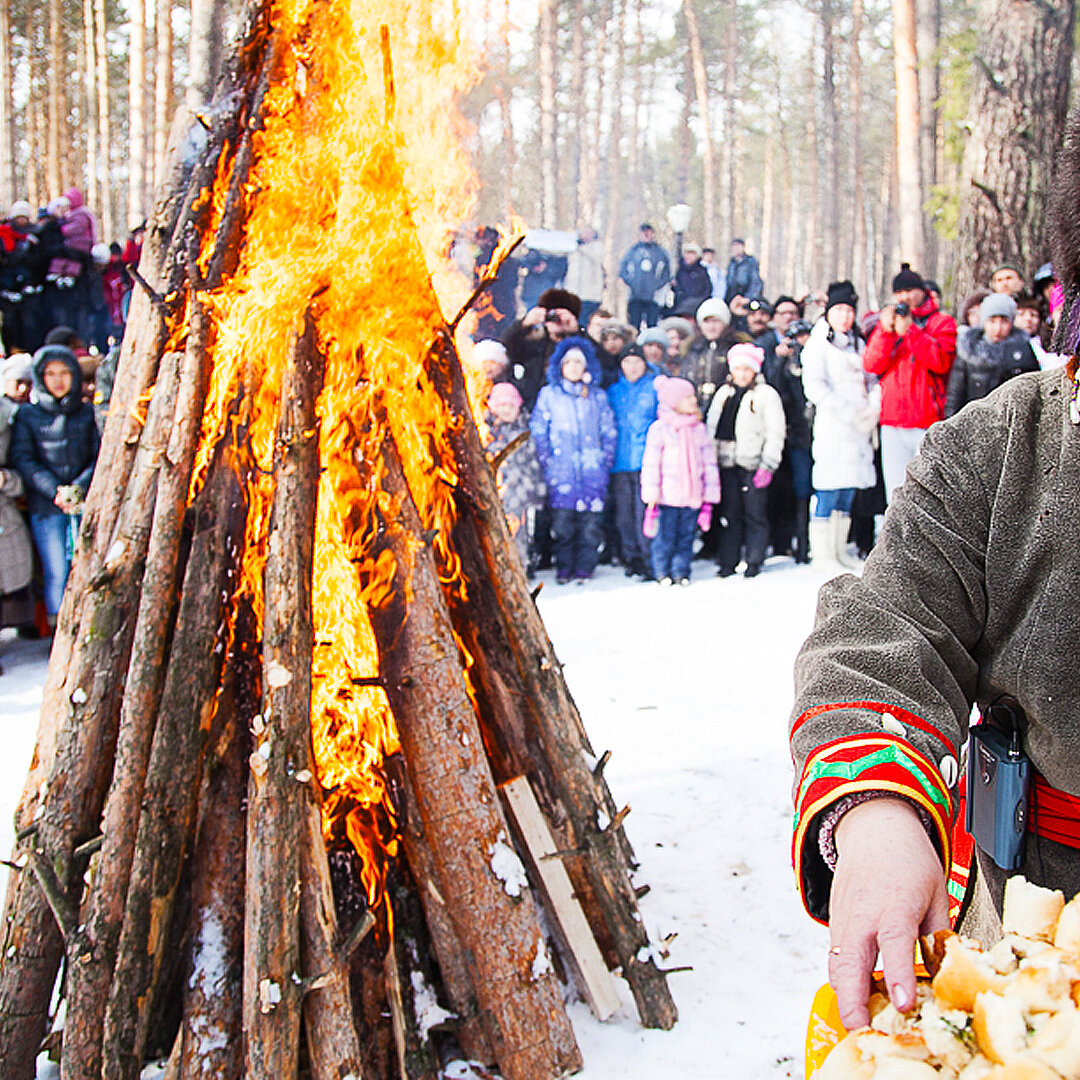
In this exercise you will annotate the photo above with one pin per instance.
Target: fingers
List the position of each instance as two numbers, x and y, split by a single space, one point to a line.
897 944
851 965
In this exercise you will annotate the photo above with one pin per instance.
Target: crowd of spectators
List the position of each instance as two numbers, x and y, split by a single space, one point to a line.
63 302
713 424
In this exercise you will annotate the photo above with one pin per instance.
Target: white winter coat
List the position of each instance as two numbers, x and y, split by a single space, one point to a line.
760 427
847 404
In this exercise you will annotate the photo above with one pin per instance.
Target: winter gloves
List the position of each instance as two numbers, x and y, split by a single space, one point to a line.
762 478
651 525
704 518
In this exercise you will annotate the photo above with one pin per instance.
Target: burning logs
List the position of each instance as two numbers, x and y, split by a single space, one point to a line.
294 626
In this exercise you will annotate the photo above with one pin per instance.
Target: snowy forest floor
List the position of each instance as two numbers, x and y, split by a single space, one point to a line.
690 689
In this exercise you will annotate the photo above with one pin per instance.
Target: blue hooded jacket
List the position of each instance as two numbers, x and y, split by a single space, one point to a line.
634 405
573 428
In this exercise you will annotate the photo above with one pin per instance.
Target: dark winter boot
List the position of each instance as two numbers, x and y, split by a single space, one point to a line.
802 530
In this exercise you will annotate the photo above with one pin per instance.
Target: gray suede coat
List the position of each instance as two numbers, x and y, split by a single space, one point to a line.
973 591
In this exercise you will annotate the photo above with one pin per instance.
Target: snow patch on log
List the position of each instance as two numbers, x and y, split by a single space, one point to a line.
209 975
78 696
507 867
429 1013
277 675
541 965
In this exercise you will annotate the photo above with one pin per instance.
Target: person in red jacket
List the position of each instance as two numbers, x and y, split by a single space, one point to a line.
911 351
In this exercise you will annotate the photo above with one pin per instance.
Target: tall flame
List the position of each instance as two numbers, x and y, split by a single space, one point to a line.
352 190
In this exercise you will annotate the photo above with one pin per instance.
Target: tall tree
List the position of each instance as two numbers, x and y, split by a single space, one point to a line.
137 200
163 88
577 103
1019 100
909 169
93 176
53 178
701 92
858 258
8 186
831 145
613 234
728 107
548 45
928 41
107 205
502 92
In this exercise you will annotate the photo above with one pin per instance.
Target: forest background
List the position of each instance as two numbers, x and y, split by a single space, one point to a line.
836 136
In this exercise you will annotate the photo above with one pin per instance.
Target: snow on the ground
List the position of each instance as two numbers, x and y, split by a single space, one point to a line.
690 689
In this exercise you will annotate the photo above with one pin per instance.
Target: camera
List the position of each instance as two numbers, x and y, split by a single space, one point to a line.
999 775
903 310
796 329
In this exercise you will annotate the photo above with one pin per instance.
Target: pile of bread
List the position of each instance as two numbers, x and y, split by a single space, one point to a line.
1006 1013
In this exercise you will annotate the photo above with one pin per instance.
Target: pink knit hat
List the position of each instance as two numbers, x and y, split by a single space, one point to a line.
746 354
671 391
502 394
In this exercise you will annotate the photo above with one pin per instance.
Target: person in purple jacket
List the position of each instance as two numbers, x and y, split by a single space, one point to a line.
573 428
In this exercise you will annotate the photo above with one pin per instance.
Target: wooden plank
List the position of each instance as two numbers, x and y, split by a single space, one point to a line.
593 974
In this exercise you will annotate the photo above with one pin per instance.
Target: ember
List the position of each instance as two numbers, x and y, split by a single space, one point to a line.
283 839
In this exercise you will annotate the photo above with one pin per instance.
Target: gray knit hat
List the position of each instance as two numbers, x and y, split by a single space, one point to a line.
997 304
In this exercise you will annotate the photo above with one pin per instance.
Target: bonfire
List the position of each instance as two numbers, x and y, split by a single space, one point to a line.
310 795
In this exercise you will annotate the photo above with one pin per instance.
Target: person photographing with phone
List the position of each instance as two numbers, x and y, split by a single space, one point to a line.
968 599
911 351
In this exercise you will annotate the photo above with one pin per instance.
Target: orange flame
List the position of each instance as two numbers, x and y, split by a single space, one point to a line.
349 216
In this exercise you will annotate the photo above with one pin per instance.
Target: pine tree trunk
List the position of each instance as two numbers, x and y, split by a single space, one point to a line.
509 149
93 185
768 261
8 184
53 175
163 86
136 201
107 206
200 83
701 92
548 44
636 208
859 258
812 271
1018 105
831 145
727 225
591 194
574 147
908 157
613 217
928 40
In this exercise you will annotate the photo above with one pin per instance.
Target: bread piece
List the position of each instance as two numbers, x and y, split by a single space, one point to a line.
964 972
1030 910
1067 934
905 1069
1023 1068
845 1062
1044 983
1057 1042
999 1026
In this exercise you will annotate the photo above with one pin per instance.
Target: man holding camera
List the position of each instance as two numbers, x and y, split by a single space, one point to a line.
911 351
532 339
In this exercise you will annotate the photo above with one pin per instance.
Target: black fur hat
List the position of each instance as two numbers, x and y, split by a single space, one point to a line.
1064 226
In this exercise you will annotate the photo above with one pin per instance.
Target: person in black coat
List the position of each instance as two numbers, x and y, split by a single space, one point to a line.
54 447
988 355
693 286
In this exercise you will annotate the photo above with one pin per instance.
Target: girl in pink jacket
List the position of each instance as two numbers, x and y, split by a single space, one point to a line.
680 480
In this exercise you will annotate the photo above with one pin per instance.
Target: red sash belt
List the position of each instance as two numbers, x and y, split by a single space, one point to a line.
1053 814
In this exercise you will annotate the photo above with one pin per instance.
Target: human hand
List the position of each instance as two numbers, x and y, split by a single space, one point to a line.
762 478
888 889
783 347
534 317
739 305
901 324
887 319
704 518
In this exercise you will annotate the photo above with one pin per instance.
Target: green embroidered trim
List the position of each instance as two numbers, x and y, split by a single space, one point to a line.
892 754
956 890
